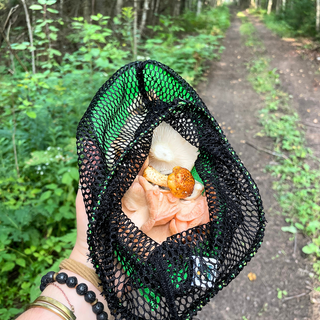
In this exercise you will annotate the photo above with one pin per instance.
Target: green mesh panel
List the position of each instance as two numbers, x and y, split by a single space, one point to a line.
141 278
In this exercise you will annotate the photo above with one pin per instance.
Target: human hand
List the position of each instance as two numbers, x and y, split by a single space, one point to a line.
80 250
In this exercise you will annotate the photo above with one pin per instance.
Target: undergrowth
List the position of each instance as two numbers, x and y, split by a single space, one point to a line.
296 170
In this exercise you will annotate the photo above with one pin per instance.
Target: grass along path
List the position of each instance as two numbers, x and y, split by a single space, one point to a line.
297 169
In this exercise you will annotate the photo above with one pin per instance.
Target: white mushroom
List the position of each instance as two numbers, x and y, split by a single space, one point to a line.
169 149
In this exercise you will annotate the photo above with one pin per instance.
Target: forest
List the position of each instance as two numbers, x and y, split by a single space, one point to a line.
54 55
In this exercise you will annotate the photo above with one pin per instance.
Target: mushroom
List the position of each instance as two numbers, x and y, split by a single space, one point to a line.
180 182
169 149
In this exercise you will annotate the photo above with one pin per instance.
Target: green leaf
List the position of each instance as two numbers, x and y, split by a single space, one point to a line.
66 178
21 262
95 18
74 173
51 186
31 114
310 249
299 226
46 195
8 266
35 7
52 11
290 229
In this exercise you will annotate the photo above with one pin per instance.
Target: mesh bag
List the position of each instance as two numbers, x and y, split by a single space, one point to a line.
143 279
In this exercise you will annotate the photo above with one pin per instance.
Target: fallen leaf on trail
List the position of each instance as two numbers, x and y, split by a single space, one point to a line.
213 96
223 127
315 121
319 114
252 276
223 123
231 131
222 63
291 74
288 39
308 110
243 141
229 128
287 70
239 80
301 95
299 81
301 70
281 71
239 57
303 76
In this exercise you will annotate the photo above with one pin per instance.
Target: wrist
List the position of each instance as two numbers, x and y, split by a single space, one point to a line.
72 300
78 255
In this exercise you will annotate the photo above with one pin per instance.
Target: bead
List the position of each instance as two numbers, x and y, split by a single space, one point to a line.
90 296
72 282
82 289
42 287
50 276
102 316
44 280
97 308
62 278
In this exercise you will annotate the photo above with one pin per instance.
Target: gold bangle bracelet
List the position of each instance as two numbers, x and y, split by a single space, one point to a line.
54 306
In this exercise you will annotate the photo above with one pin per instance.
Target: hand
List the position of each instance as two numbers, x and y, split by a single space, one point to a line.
80 250
65 295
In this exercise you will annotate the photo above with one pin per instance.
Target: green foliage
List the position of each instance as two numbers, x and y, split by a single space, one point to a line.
187 54
278 26
296 170
40 113
298 19
281 293
248 32
211 21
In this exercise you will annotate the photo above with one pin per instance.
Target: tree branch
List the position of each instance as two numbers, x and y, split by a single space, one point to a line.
8 43
30 35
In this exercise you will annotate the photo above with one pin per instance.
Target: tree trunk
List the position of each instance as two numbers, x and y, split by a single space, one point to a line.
86 12
61 8
30 35
144 16
278 6
253 4
269 6
92 7
284 5
176 10
199 5
135 8
119 7
318 16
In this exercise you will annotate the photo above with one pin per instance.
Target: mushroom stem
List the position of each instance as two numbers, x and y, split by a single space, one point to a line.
154 176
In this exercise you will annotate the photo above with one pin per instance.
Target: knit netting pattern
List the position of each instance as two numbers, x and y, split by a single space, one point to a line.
143 279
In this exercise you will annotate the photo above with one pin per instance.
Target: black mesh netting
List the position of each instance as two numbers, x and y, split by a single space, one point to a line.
143 279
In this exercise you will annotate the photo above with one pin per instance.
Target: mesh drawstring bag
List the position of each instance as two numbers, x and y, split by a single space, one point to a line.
143 279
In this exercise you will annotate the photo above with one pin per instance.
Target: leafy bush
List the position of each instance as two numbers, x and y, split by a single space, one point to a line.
212 21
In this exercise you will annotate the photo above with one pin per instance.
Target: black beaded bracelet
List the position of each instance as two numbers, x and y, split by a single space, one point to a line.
81 288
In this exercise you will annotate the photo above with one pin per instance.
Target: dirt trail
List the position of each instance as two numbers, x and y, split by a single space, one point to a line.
279 264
